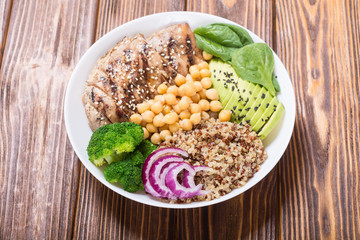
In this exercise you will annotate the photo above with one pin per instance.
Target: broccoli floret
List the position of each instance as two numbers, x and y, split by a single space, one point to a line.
132 129
146 148
111 143
128 172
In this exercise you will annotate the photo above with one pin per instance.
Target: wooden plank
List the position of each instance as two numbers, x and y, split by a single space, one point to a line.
5 10
319 191
252 214
39 171
100 212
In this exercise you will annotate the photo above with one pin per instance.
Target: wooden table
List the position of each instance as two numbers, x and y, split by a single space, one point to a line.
46 193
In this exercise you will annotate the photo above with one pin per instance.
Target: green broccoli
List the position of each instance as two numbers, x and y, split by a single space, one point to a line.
132 129
146 148
111 143
128 172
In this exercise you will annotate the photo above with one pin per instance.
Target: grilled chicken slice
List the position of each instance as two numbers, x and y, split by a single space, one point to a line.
127 75
99 107
130 73
177 45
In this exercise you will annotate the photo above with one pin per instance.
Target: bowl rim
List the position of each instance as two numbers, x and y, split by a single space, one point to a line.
154 202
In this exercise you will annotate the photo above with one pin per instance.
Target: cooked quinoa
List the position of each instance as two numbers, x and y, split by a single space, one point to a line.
233 152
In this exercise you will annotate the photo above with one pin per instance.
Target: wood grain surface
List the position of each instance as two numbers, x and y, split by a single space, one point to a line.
46 193
39 170
320 171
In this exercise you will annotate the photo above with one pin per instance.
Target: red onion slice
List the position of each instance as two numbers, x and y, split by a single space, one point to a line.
150 160
165 170
188 179
179 190
155 171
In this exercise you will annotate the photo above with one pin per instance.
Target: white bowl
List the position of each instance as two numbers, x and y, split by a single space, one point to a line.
77 124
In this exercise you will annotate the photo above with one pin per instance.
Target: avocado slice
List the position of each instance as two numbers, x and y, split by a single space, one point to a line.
224 79
237 104
240 115
272 121
234 98
246 91
255 106
260 109
266 115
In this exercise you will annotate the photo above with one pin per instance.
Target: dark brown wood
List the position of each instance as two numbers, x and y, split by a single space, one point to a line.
46 193
318 42
39 169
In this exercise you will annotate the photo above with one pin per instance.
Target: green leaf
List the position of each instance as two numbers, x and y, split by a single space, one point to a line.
242 33
275 83
220 34
255 63
214 48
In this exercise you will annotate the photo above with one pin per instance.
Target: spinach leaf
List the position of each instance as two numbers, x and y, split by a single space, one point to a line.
214 48
275 83
219 34
242 33
255 63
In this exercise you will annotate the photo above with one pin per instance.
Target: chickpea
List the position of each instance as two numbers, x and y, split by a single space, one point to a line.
136 118
165 127
195 108
202 94
166 109
151 128
189 89
173 89
164 134
146 133
177 108
189 78
186 124
174 127
185 114
157 107
142 107
186 98
205 116
225 115
195 118
162 88
212 94
159 98
148 116
207 56
180 80
195 98
206 82
205 73
171 118
215 106
198 86
203 65
155 138
170 99
204 104
194 72
181 92
158 120
150 102
183 104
